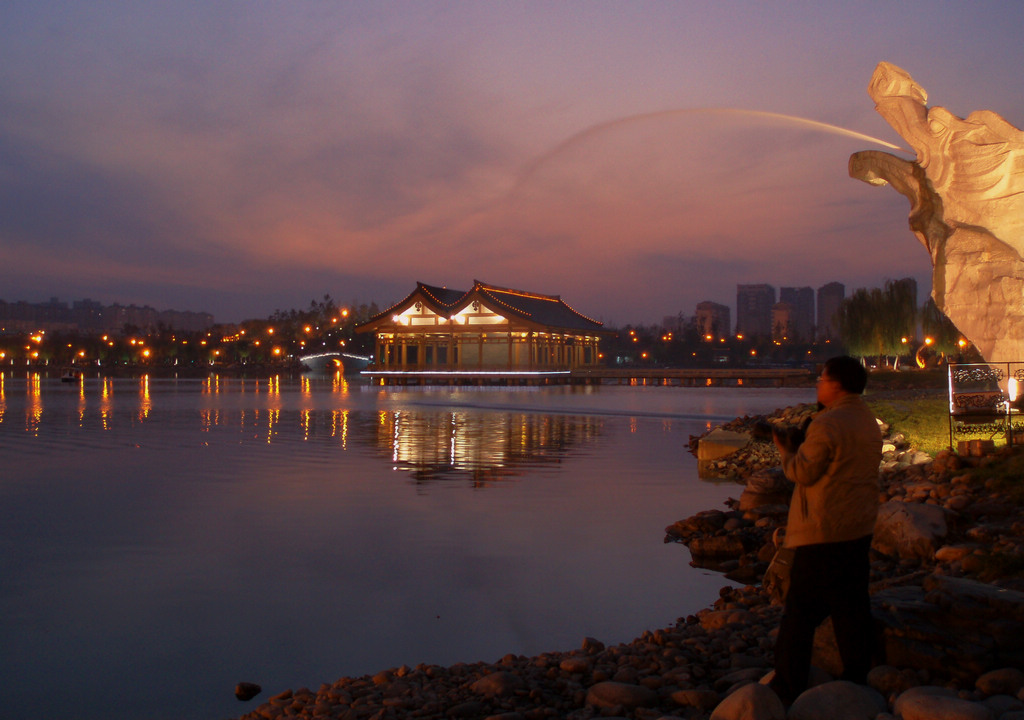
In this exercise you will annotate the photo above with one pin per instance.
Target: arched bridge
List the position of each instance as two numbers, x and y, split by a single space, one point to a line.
349 361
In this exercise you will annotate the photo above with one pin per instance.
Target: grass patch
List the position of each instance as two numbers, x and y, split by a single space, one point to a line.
923 418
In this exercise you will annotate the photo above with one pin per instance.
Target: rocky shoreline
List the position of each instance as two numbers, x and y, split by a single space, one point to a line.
947 595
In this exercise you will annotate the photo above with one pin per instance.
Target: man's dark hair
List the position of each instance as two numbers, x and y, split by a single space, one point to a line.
848 372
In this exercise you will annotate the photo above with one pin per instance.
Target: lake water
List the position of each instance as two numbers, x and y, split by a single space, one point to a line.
163 539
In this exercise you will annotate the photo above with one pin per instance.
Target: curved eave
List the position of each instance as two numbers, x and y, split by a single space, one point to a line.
419 294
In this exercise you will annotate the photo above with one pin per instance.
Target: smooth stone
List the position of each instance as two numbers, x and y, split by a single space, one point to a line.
753 701
615 694
245 691
498 683
703 700
909 530
838 700
718 619
1004 681
574 665
716 546
937 703
889 680
720 443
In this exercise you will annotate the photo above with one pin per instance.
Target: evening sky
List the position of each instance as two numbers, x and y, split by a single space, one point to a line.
239 157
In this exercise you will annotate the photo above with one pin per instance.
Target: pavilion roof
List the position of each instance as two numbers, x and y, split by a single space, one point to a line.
534 308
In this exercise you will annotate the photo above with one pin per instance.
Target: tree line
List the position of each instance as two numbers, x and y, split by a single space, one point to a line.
882 322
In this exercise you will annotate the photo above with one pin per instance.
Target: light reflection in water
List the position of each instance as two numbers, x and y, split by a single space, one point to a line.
431 445
273 418
106 402
483 447
339 427
81 400
145 400
305 420
34 406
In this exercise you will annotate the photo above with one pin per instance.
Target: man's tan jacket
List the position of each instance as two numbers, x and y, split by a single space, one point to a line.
836 476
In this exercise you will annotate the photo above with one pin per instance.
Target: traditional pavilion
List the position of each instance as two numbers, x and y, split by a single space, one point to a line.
485 332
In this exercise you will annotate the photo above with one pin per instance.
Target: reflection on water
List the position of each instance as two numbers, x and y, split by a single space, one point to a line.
429 444
181 535
483 447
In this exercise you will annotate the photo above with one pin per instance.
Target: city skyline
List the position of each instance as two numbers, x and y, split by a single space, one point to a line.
634 159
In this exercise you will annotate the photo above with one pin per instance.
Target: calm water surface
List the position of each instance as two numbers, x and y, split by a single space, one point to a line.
162 540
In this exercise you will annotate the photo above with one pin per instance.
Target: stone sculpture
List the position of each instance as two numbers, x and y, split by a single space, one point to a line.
966 192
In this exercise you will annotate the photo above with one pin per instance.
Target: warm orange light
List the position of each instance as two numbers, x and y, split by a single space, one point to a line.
962 343
145 353
270 331
928 341
344 313
308 329
708 337
277 351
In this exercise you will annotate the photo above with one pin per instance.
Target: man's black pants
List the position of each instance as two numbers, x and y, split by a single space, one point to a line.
826 579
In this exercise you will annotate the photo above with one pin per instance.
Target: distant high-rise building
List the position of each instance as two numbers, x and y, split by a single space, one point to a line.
713 319
673 323
801 321
782 321
830 298
754 310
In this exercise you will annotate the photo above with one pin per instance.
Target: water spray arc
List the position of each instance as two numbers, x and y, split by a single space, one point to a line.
610 124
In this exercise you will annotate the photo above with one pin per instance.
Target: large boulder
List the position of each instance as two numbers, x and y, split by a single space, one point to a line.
838 700
909 530
937 703
753 701
612 694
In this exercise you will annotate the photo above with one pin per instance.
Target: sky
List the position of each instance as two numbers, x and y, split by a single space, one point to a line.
243 157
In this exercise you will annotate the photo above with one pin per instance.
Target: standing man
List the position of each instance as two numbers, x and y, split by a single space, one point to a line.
831 520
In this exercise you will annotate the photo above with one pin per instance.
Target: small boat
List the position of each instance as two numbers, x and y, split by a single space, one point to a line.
71 375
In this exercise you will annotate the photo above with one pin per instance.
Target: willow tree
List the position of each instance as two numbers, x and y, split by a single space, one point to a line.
856 323
944 334
874 323
899 316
